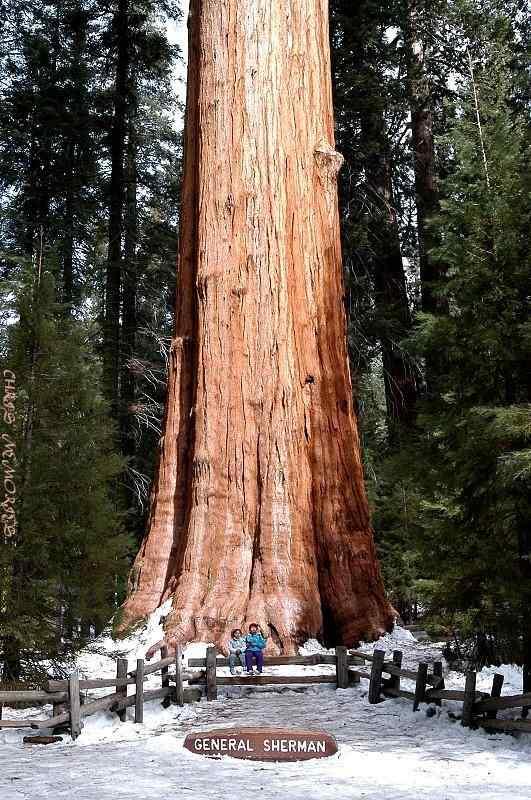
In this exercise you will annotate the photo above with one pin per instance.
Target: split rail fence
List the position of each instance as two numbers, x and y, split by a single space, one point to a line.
479 708
67 699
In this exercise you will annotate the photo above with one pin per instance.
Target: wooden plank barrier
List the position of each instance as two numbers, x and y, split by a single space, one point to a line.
71 713
211 688
278 680
190 694
69 708
497 684
375 684
164 675
264 680
438 673
34 695
497 703
121 672
469 700
91 683
420 685
179 687
392 669
271 661
341 668
149 669
139 695
75 705
101 704
394 681
15 723
523 725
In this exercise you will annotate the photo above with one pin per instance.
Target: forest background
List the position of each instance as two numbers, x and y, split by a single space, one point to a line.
432 117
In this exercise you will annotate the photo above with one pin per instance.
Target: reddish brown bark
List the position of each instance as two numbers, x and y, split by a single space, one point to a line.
259 510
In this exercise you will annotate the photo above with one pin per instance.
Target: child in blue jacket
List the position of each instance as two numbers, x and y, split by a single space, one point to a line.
256 642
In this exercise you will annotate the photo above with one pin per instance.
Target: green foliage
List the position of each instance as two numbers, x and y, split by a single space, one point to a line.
453 506
63 567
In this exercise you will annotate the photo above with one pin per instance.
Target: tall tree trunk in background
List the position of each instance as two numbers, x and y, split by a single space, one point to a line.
259 509
524 552
111 327
68 237
392 306
76 134
427 197
129 319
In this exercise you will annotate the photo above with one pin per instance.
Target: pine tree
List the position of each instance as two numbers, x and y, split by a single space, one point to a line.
67 553
57 109
474 475
371 109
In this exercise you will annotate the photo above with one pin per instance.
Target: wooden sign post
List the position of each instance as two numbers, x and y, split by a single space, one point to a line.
262 744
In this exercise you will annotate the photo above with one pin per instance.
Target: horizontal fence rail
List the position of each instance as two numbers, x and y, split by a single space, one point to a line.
69 707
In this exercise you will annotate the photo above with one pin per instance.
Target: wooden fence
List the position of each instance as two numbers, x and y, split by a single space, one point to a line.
479 708
384 677
67 699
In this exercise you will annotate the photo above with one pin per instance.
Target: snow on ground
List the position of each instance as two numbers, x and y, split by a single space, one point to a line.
385 751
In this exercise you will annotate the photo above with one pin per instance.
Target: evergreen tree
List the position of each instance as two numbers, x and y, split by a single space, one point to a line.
471 474
67 553
57 103
371 113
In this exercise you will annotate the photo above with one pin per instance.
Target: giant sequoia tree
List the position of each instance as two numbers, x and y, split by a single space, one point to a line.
259 509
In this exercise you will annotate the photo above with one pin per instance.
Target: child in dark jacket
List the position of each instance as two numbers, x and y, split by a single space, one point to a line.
256 643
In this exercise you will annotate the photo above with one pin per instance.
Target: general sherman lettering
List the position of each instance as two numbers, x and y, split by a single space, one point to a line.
262 744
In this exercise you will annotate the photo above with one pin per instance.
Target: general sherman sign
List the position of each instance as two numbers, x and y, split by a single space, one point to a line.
262 744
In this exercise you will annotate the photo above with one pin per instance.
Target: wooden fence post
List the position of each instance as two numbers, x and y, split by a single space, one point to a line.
165 676
470 699
211 687
394 682
438 673
139 697
75 704
497 683
121 672
420 686
179 688
341 668
525 709
375 685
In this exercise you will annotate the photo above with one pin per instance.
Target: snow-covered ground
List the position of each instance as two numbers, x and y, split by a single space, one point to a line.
385 751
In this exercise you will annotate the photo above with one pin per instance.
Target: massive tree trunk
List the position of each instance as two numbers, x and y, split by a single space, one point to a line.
259 510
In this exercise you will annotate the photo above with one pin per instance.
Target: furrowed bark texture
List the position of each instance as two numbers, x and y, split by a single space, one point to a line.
259 510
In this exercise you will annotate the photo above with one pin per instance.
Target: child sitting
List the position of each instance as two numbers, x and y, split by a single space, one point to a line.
236 650
256 642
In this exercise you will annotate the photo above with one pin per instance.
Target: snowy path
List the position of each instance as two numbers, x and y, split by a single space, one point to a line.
386 751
